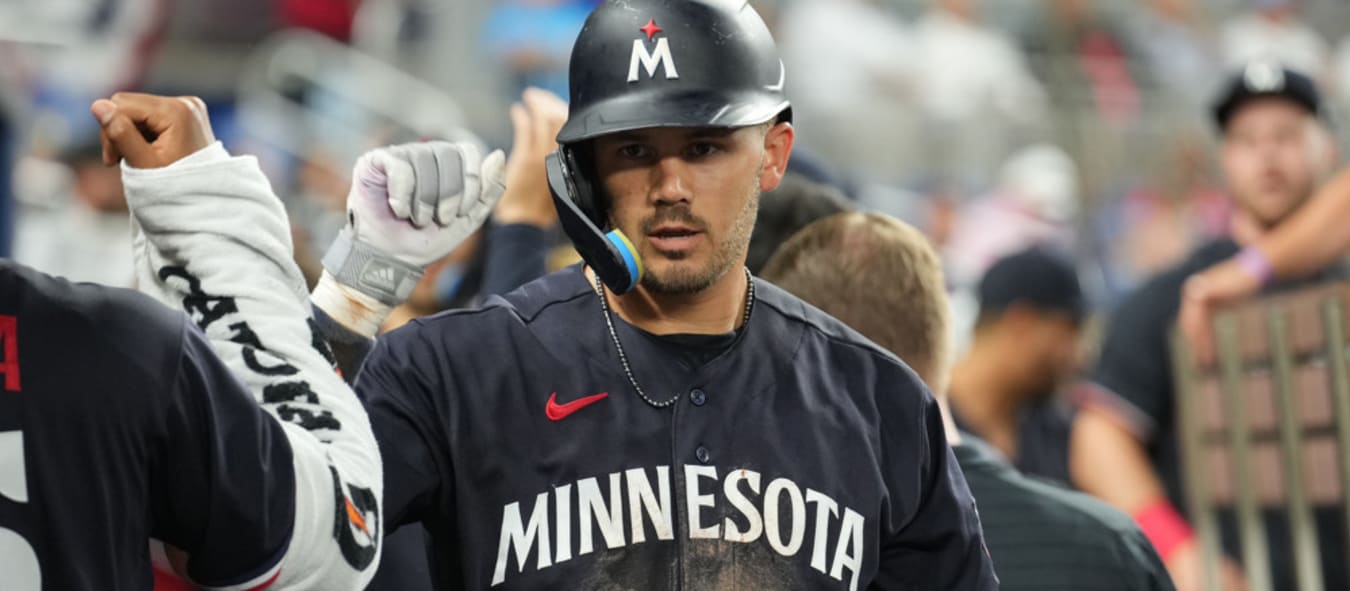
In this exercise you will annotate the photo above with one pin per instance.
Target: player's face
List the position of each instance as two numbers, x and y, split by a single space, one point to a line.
1054 341
1273 155
687 198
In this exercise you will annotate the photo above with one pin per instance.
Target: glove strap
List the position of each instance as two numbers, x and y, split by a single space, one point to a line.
364 268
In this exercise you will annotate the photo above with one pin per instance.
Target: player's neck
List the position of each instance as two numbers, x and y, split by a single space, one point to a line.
981 394
716 310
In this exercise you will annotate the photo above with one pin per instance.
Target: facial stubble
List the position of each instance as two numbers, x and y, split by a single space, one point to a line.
727 252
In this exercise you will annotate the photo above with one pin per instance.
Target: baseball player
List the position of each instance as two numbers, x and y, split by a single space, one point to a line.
656 418
119 423
859 267
1124 444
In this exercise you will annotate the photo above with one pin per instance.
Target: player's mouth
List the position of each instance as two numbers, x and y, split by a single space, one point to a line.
673 238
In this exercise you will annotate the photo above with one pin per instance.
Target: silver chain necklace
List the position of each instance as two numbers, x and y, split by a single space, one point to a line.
623 357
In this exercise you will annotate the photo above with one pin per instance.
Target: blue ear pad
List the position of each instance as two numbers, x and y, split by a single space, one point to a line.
631 259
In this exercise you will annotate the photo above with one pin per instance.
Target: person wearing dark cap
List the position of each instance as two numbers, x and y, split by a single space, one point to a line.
1275 149
1025 347
861 267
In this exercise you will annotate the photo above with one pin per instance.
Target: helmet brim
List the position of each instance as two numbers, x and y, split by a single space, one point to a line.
671 109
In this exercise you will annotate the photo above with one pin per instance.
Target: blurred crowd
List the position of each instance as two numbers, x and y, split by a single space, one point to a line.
1078 122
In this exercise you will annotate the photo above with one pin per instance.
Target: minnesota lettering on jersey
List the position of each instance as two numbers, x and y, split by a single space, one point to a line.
601 505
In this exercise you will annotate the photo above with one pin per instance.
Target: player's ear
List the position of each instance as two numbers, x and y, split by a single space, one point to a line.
777 148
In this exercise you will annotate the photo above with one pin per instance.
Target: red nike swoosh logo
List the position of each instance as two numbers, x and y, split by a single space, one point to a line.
558 412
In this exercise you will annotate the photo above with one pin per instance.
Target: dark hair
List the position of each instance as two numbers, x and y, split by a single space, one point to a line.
782 212
878 275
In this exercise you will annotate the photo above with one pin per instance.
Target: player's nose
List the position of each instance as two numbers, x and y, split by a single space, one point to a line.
667 181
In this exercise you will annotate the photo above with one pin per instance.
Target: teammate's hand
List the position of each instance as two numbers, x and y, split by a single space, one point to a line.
1186 567
537 119
151 131
417 202
1205 292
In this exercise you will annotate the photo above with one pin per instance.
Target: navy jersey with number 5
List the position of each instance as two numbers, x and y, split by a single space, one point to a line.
118 423
799 457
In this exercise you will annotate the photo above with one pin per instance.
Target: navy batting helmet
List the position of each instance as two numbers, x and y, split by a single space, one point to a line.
640 64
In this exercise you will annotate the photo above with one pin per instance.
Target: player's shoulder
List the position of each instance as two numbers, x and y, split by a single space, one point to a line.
117 337
817 328
552 299
1012 503
75 312
1161 293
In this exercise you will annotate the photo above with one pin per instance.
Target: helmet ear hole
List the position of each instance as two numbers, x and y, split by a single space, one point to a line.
587 195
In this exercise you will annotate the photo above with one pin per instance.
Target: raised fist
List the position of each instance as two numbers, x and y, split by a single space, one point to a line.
150 131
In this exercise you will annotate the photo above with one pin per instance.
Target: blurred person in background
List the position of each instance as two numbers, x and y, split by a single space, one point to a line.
862 268
795 204
974 89
1025 348
333 18
1034 201
533 39
1176 205
1272 29
72 221
1085 57
850 71
1303 246
60 56
1082 53
6 183
1275 150
1179 46
317 210
1340 72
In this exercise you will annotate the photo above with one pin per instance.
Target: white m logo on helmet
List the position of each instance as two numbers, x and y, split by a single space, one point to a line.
650 61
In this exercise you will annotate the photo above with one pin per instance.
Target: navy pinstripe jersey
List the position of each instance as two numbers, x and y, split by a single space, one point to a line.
118 423
802 457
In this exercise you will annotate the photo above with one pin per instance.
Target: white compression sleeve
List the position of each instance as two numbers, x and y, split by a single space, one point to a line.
212 238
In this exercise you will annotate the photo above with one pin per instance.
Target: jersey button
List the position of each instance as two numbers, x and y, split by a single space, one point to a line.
697 397
702 454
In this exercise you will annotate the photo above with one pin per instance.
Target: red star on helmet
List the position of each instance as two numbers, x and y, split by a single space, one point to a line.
650 29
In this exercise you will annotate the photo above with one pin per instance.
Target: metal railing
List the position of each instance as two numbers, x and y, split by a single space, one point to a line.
1266 428
300 88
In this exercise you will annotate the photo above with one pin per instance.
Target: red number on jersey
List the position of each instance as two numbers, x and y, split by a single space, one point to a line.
9 351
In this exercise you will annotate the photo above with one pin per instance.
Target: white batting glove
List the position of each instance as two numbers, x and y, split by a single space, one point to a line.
409 206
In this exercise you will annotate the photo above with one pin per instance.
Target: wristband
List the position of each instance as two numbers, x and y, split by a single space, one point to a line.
1256 264
349 308
1163 526
364 268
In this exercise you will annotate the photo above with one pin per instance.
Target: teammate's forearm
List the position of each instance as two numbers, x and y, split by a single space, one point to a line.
1315 235
1108 462
213 239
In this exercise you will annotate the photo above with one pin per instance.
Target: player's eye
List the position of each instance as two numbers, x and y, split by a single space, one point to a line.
703 149
635 152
